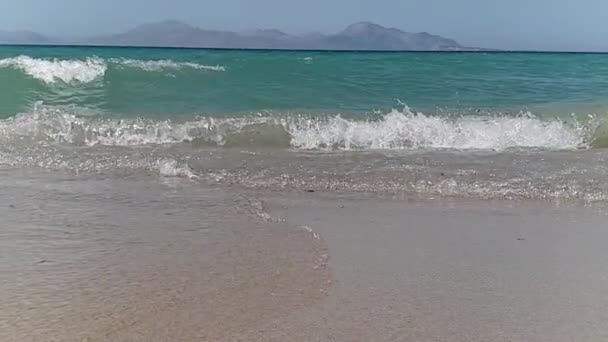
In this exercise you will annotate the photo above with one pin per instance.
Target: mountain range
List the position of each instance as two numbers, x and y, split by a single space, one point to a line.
171 33
22 37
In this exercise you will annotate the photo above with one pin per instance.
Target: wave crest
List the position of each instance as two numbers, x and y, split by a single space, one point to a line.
52 70
91 69
401 130
396 130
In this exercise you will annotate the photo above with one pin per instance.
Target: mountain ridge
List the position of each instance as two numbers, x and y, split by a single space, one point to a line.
362 36
24 36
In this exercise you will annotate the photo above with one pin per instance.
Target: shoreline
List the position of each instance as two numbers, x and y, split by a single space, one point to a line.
456 270
148 258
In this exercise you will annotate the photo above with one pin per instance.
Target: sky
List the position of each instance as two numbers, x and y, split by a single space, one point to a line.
502 24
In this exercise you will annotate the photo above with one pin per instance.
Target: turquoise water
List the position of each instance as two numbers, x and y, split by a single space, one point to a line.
483 125
125 81
303 99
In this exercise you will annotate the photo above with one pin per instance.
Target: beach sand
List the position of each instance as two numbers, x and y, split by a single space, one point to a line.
455 270
94 258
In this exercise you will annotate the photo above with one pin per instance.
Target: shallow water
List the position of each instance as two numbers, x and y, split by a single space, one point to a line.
100 258
481 125
153 258
452 270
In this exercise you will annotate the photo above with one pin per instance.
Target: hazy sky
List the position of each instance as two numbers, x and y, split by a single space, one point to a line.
505 24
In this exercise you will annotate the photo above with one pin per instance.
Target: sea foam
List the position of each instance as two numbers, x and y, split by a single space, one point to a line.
171 168
395 130
53 70
74 71
408 130
160 65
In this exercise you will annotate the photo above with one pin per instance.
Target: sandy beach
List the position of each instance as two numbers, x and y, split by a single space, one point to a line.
96 258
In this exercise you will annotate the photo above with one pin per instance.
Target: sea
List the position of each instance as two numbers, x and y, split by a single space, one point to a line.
488 125
152 194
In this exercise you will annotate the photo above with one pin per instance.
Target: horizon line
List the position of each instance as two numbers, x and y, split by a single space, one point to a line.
464 50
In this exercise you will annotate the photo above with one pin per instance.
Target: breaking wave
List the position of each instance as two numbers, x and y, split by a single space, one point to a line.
395 130
399 130
53 70
57 139
73 71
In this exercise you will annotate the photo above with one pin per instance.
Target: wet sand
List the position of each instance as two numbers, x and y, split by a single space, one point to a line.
455 270
155 259
95 259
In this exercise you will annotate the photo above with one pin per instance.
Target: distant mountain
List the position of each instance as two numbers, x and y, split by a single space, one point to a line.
171 33
359 36
268 33
22 37
370 36
167 33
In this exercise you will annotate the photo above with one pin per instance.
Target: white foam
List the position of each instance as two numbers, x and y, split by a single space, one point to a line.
171 168
59 125
159 65
396 130
407 130
52 70
89 69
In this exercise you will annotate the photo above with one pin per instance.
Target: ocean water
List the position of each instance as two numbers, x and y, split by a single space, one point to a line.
489 125
150 194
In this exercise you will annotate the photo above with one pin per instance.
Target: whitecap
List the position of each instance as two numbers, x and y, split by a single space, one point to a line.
408 130
160 65
395 130
53 70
